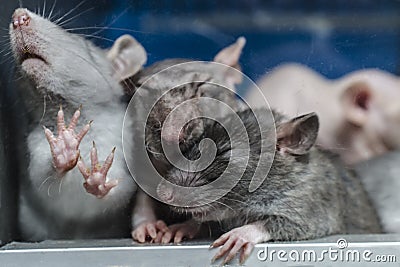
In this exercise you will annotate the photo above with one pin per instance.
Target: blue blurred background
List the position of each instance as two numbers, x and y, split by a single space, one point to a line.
333 37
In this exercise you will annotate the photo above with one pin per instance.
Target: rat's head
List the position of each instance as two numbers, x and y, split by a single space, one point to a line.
194 178
370 105
68 65
175 117
295 138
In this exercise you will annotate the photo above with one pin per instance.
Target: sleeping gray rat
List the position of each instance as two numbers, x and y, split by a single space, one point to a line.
308 193
57 198
159 90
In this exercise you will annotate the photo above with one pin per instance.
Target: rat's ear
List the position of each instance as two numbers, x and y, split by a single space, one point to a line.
355 102
230 56
127 57
298 135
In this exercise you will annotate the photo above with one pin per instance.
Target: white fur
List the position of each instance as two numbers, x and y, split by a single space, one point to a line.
294 89
80 74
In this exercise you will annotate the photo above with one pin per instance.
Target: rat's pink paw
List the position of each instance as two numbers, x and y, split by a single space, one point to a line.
149 230
96 177
177 232
64 147
239 239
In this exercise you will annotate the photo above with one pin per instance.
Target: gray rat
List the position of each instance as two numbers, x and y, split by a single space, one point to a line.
380 176
57 198
308 193
161 88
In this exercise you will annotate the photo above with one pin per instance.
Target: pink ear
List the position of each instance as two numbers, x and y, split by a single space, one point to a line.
356 101
127 57
230 56
298 135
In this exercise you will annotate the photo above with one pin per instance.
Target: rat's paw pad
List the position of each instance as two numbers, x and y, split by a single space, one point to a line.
149 231
232 242
64 147
96 177
177 232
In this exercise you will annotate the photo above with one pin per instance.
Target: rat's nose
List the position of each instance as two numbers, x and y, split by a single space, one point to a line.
166 193
20 18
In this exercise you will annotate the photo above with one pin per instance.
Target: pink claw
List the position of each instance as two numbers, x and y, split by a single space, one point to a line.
96 177
64 147
241 239
150 230
177 232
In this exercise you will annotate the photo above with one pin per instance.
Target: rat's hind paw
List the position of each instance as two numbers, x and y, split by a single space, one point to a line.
95 178
177 232
239 239
64 147
149 231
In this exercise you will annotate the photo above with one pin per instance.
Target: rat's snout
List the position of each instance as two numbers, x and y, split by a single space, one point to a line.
20 18
165 192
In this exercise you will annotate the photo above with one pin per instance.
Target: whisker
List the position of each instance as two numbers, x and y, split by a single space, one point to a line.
97 37
113 21
59 188
112 28
49 188
44 181
223 204
153 152
44 8
44 110
74 17
51 10
69 12
232 199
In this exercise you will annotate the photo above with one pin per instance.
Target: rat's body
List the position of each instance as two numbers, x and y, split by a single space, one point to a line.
59 68
380 177
359 117
161 88
307 193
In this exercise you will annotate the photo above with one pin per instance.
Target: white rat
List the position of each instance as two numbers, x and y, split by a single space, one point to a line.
358 112
380 176
61 197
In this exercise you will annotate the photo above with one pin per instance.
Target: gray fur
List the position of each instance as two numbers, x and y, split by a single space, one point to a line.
201 85
174 86
303 197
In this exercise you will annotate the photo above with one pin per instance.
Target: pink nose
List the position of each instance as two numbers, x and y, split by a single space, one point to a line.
20 18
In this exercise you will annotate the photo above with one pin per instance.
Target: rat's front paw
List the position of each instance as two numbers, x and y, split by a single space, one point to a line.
149 231
239 239
64 147
177 232
96 176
